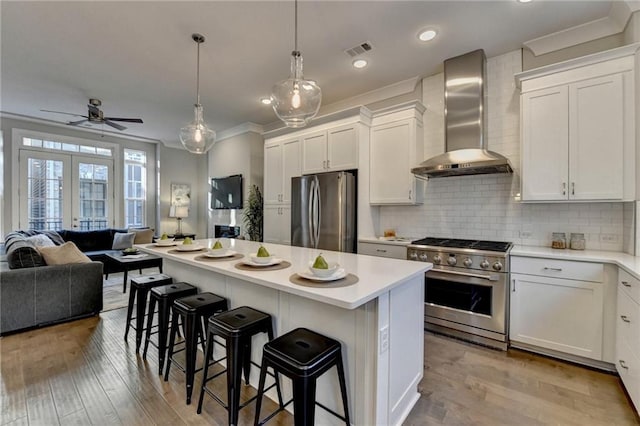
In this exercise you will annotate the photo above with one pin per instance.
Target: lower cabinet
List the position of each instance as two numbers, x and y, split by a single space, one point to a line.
277 224
557 305
628 337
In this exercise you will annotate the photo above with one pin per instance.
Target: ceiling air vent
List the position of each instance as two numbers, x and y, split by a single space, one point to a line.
359 49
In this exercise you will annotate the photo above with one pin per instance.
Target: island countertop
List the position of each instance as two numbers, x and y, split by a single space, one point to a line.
376 275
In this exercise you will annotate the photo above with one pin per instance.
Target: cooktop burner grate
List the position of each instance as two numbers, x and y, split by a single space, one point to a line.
499 246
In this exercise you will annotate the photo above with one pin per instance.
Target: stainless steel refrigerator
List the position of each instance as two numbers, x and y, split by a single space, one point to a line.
323 211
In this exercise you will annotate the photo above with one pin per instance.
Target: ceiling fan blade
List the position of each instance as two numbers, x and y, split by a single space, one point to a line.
75 123
114 125
93 109
128 120
66 113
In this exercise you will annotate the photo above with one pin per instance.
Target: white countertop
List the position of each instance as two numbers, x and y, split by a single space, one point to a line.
395 241
629 263
376 275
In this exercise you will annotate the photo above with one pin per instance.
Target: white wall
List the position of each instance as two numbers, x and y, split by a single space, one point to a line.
241 154
484 206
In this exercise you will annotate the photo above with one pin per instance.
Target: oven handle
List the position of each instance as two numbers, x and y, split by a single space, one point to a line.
466 274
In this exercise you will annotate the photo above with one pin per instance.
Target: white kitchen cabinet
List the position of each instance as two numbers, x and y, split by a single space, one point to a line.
281 162
577 130
330 150
628 336
557 305
383 250
277 224
396 147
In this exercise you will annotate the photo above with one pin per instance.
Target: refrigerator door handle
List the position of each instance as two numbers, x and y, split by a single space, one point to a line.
310 216
318 209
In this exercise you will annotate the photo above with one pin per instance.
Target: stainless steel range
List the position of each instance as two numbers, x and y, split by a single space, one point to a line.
466 292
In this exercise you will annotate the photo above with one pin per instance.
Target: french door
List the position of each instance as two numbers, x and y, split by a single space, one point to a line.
65 191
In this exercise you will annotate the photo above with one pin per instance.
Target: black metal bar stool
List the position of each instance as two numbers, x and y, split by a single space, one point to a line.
303 356
140 287
164 297
194 311
237 327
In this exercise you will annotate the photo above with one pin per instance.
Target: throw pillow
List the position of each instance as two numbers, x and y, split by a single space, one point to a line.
40 240
123 240
143 236
63 255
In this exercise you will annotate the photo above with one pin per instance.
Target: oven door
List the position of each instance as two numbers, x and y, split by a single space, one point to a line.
467 300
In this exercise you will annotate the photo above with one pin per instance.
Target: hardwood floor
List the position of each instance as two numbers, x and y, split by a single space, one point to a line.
465 384
83 373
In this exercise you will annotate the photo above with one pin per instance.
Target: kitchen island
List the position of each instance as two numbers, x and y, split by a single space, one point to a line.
378 319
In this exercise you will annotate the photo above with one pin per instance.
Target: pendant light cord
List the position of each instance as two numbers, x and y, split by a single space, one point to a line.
198 76
295 31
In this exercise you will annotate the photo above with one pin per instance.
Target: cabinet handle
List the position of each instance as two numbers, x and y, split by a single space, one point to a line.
564 188
623 364
573 188
381 251
625 318
625 283
328 162
409 194
514 285
324 164
552 269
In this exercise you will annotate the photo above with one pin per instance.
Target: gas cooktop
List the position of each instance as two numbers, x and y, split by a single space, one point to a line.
499 246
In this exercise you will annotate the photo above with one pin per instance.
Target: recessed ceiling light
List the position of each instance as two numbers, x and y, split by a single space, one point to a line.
265 101
524 1
360 63
426 35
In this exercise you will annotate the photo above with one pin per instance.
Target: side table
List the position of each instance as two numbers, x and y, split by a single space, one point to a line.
132 262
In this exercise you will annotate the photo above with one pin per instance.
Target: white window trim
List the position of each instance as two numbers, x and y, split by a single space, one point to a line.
145 199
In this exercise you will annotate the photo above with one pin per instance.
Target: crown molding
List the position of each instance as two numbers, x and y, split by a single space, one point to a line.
615 23
239 130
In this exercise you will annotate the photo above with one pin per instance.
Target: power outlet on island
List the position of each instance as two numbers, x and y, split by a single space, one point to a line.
384 339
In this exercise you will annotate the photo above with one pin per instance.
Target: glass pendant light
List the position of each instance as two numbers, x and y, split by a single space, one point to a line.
196 136
296 100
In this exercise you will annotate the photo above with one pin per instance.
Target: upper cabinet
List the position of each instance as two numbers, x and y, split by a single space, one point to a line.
578 129
396 147
333 149
282 161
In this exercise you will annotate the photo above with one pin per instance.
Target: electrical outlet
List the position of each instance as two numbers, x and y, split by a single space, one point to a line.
384 339
525 234
608 238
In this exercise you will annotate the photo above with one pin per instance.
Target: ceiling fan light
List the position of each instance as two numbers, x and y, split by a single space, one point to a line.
296 100
196 136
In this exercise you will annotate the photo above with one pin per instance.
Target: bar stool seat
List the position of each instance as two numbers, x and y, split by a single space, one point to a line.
303 356
237 327
194 311
163 296
138 292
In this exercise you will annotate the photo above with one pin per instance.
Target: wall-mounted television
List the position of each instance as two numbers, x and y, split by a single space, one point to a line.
226 192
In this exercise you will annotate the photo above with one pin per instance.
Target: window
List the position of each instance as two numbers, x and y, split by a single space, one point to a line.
135 188
69 147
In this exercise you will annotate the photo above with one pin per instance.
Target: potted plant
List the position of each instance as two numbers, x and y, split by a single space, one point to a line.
253 214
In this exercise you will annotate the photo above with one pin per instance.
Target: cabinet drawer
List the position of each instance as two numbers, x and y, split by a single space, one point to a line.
383 250
629 284
628 321
583 271
628 367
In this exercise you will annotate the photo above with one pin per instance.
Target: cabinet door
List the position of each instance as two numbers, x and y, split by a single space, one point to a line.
272 173
342 148
292 167
558 314
314 153
596 139
285 224
391 181
545 142
271 224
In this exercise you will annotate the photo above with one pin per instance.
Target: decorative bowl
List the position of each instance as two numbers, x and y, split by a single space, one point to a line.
261 260
323 273
165 242
217 252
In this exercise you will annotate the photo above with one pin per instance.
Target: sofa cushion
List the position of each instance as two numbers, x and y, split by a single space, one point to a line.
63 255
41 240
90 240
123 240
143 236
21 253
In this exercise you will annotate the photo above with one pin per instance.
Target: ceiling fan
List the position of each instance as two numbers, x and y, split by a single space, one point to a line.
95 115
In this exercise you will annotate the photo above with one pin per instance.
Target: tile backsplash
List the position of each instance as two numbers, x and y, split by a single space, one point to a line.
486 206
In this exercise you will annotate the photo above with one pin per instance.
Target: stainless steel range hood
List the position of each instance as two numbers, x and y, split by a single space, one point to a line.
465 130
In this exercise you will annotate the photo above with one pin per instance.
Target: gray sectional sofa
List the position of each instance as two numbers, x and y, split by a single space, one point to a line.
33 294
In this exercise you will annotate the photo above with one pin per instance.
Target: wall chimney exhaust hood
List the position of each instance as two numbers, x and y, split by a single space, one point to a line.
465 130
